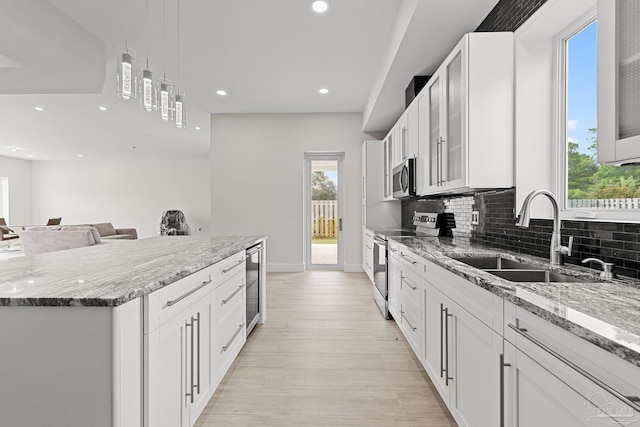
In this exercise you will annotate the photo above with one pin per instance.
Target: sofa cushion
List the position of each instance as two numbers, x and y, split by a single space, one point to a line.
105 229
118 237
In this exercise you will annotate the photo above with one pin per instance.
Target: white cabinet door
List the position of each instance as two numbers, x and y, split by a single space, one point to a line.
393 279
555 377
434 142
423 158
618 81
474 365
469 118
454 138
367 258
165 374
433 354
388 166
412 132
535 397
200 321
462 357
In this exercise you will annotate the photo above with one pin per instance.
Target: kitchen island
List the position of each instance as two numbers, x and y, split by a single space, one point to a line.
82 331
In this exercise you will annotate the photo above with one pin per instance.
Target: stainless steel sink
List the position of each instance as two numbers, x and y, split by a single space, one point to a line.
533 276
515 271
494 263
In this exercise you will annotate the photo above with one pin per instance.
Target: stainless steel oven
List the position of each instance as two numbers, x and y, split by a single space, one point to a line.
255 266
380 289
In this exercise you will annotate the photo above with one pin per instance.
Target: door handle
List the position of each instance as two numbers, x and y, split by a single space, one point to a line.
340 224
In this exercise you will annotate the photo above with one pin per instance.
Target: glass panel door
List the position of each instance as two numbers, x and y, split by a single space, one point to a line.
434 131
454 119
324 213
628 68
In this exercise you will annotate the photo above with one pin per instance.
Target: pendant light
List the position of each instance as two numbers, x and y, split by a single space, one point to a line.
126 79
165 91
148 100
180 112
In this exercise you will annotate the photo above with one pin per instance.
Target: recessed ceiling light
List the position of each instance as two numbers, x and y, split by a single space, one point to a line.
320 6
323 91
80 155
39 108
197 127
221 92
29 155
102 108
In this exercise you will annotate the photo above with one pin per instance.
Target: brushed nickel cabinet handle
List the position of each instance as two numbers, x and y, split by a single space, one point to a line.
233 337
633 401
230 297
177 300
236 265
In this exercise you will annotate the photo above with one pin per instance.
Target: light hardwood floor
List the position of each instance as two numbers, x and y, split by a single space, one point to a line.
325 357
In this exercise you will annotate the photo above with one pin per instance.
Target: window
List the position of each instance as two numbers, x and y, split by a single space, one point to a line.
588 185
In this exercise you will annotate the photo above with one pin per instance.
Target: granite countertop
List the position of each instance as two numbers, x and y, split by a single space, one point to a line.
605 313
112 273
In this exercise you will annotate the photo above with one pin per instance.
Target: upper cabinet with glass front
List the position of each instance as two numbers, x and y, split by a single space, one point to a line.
468 113
618 81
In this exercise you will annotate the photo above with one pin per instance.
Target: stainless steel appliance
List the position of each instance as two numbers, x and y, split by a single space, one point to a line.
380 268
404 179
255 266
380 293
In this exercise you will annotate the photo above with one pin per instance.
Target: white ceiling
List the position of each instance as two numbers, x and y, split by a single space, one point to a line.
270 56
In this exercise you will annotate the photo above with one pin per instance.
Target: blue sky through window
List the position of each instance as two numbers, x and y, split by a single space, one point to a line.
582 86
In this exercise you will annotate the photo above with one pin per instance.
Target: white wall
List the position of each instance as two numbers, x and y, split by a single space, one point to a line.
257 169
19 174
126 193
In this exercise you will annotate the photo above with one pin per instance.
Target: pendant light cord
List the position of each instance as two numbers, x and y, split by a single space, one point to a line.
178 46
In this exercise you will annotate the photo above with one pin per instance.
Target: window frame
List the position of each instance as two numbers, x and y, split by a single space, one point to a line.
561 138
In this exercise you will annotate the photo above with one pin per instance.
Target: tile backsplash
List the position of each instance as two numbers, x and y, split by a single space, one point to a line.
611 242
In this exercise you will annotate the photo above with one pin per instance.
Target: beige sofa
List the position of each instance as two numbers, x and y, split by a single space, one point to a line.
108 231
42 239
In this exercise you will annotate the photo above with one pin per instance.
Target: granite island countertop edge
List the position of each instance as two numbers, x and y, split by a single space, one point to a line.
210 251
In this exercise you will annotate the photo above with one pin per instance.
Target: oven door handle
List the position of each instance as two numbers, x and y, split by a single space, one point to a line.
379 241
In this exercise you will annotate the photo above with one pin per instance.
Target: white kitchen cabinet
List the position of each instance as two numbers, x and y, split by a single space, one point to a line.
388 166
367 253
618 81
412 146
410 287
462 356
177 368
468 114
376 212
228 321
552 377
393 279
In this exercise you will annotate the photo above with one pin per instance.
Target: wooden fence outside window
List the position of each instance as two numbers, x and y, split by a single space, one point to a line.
323 218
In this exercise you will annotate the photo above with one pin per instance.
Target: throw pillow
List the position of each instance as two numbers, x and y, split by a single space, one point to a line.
105 229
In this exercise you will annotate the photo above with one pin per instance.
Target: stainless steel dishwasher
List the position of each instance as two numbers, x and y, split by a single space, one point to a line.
255 264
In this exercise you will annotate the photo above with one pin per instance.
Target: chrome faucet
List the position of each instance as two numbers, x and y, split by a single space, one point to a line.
557 251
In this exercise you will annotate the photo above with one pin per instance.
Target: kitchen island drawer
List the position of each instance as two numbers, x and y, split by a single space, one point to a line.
226 268
227 296
163 304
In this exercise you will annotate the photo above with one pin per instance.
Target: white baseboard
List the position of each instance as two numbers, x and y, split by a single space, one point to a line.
353 268
285 268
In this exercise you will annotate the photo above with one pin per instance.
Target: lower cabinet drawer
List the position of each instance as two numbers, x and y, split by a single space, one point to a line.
228 295
410 326
230 335
163 304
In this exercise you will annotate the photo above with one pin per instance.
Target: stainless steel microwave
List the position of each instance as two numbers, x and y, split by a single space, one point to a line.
404 179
